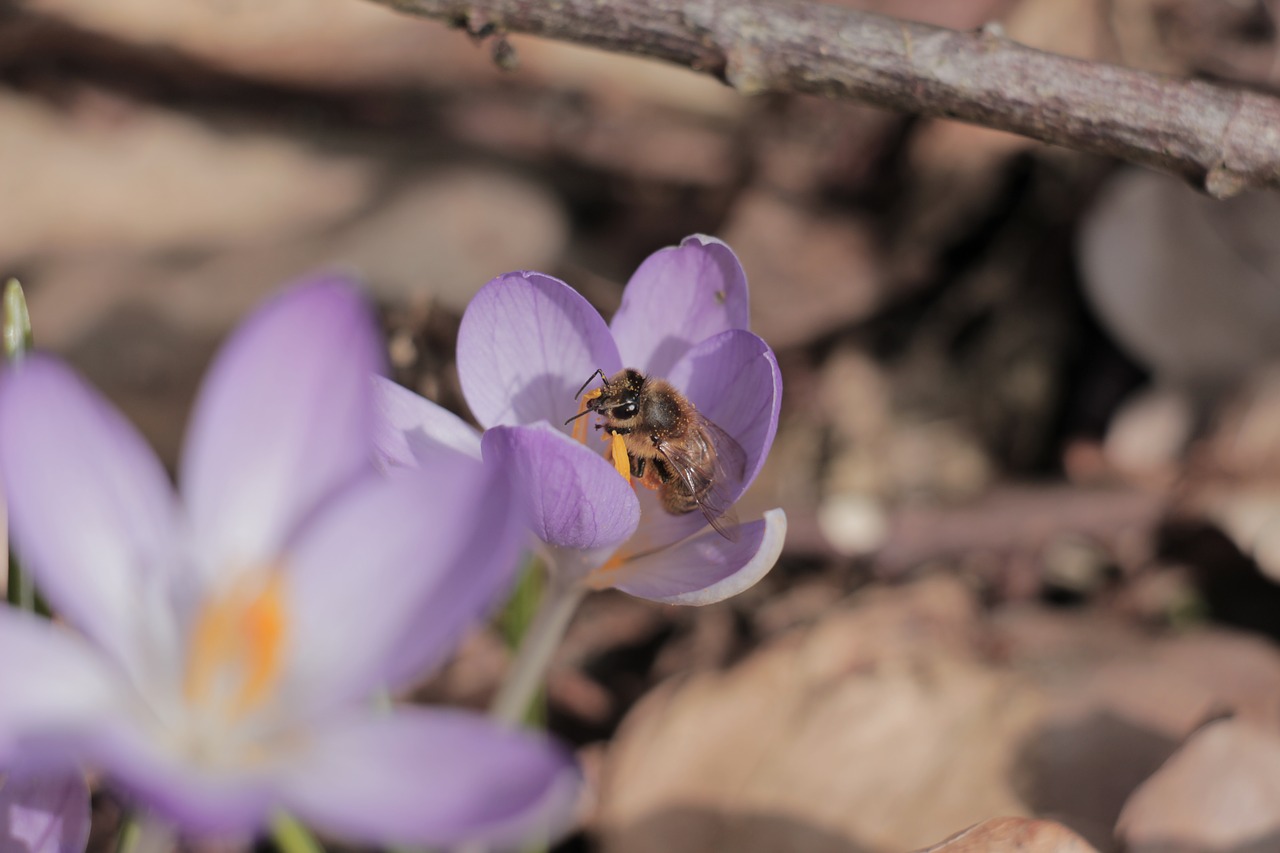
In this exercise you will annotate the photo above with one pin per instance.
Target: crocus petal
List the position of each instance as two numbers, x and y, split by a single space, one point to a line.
405 566
53 684
431 777
571 496
478 575
284 417
706 568
225 803
528 342
678 297
91 510
44 813
410 430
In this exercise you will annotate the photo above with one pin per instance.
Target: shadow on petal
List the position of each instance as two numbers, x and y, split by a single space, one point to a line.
691 292
526 343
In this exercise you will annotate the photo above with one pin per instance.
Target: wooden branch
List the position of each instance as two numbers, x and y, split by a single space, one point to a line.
1221 139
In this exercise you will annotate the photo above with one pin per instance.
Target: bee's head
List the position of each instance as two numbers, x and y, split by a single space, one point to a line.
619 398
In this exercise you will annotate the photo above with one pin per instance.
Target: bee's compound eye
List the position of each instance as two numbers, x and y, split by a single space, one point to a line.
627 410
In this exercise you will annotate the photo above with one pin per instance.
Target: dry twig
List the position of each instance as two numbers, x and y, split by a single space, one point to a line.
1221 139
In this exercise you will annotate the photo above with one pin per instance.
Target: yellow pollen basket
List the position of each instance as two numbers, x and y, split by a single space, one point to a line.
617 450
237 645
621 461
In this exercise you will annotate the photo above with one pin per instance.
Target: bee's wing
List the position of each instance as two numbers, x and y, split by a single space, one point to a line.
713 467
730 457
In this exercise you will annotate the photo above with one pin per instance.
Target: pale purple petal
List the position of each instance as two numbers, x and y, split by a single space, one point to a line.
706 568
526 344
91 510
734 381
410 430
284 417
53 684
432 777
228 802
43 813
678 297
572 497
404 566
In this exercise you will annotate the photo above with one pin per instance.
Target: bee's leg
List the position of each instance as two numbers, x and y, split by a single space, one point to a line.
645 471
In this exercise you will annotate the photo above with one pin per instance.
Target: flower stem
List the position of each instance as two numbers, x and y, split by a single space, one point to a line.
15 334
555 611
515 620
292 837
144 834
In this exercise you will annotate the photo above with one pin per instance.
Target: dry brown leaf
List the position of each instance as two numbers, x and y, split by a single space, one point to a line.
287 40
107 174
1240 492
799 295
1186 283
442 235
1219 792
343 44
1148 434
1069 27
853 735
1120 702
1013 835
142 326
1250 516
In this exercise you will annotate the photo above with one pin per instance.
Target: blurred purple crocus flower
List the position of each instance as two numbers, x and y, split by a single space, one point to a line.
528 342
228 643
43 812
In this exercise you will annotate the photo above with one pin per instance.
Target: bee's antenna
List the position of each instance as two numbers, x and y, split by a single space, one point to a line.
575 417
599 372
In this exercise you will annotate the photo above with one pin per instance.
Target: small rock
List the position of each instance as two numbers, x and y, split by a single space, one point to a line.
1148 435
854 524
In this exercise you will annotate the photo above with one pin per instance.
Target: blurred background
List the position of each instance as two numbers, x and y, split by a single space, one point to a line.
1030 447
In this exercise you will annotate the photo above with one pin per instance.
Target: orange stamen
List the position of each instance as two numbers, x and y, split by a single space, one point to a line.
580 425
238 643
599 578
264 627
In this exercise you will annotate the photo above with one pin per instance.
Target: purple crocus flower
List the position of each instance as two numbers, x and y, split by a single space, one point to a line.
43 812
229 642
528 342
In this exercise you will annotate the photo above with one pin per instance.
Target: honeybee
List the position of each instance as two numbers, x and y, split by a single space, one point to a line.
671 446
